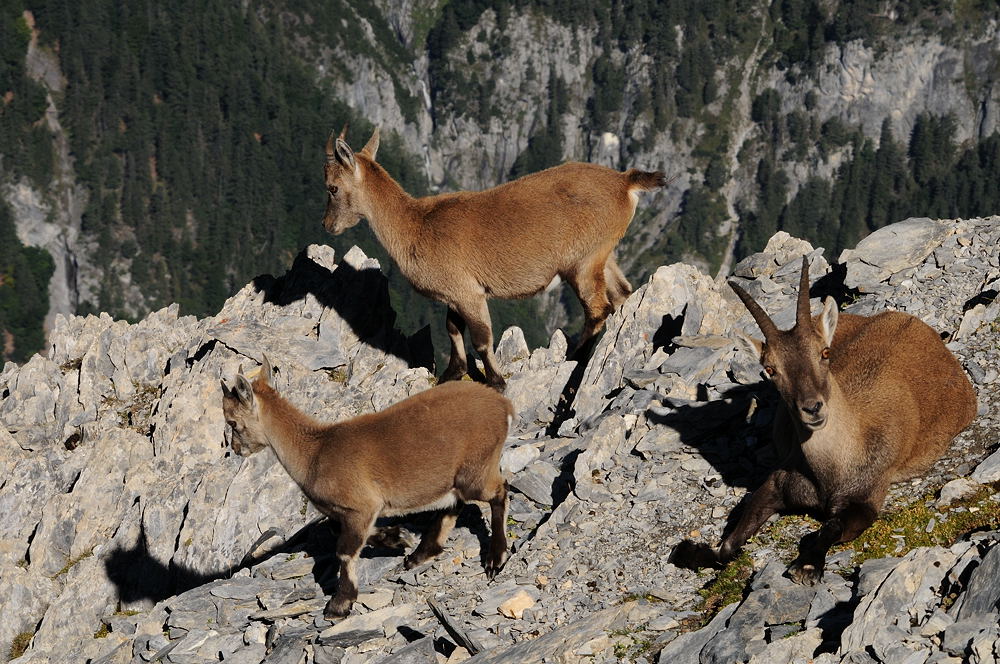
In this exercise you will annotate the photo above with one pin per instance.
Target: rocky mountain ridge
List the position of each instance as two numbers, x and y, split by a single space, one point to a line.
132 534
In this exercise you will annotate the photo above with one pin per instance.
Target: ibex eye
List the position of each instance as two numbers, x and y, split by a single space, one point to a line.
825 353
333 190
769 370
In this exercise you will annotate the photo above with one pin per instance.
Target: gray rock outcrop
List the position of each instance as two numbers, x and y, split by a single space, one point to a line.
130 532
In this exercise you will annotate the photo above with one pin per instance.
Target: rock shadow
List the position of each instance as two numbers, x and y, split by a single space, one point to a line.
733 441
360 297
564 411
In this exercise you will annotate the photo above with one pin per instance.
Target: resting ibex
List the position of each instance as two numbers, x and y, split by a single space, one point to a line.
509 242
866 402
431 451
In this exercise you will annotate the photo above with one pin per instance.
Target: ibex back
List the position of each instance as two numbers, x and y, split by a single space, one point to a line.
867 402
432 451
509 242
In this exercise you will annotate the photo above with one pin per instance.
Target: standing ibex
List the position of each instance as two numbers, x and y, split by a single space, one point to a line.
866 402
431 451
509 242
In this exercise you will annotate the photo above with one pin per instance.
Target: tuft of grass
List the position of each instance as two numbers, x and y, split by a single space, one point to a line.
898 531
127 612
727 586
71 365
630 643
73 561
632 597
19 645
102 631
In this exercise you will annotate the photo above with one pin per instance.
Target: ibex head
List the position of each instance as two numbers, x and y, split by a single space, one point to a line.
242 411
343 182
798 360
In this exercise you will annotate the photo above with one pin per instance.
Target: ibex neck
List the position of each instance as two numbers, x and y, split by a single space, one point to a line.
293 435
834 449
390 211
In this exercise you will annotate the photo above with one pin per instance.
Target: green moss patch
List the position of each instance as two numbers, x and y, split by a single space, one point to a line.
921 524
19 645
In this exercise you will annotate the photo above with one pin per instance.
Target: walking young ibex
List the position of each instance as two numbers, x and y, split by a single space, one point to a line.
866 401
432 451
510 241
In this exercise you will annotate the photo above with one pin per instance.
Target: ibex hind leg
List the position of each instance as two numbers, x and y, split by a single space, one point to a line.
618 286
458 364
432 543
592 289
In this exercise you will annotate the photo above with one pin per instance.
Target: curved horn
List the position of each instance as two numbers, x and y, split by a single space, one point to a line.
329 148
343 133
266 373
802 312
764 321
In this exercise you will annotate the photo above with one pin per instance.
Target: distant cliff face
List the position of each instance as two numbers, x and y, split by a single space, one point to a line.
495 86
769 117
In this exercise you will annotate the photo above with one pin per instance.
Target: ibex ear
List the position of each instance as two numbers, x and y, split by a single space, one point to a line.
243 390
746 343
371 147
266 373
344 154
226 391
828 320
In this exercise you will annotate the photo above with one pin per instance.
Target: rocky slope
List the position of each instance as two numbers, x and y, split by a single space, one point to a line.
131 534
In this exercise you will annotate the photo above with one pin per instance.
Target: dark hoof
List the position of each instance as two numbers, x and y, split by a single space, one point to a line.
495 564
805 574
695 555
411 561
336 610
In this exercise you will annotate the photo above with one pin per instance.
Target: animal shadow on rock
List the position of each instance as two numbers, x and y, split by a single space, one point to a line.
360 297
138 575
740 451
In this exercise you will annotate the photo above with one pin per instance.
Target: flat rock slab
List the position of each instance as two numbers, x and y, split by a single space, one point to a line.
559 642
983 594
893 248
367 625
418 652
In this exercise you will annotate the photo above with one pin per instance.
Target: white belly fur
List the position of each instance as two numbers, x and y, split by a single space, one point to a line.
444 502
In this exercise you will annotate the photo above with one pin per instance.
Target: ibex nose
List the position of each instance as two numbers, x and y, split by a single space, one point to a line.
814 409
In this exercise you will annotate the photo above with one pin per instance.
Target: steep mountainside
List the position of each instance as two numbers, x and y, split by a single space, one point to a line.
167 155
131 533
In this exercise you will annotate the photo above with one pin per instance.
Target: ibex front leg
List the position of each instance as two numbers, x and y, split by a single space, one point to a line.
498 531
845 524
354 530
477 315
